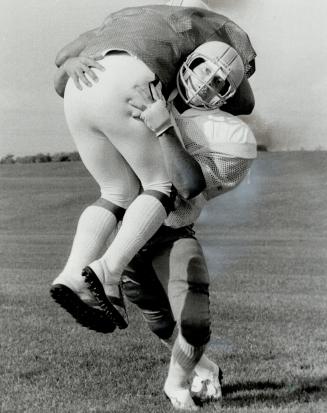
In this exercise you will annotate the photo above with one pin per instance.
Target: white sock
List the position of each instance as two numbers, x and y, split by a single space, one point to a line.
93 229
205 368
141 221
183 360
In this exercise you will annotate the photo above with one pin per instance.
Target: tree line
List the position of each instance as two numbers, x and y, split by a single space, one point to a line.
41 158
58 157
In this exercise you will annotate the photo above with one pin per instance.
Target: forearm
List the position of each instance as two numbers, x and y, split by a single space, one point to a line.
60 81
184 171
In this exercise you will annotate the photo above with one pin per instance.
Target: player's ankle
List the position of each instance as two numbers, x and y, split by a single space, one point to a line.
98 269
206 368
74 284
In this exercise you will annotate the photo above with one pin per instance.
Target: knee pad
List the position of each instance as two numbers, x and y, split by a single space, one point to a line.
160 323
113 208
196 332
195 322
152 302
166 200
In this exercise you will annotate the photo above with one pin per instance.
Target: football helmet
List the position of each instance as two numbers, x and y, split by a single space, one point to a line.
210 75
188 3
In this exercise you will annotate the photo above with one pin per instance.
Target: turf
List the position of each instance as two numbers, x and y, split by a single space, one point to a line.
265 244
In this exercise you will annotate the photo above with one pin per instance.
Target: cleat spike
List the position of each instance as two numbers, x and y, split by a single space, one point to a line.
105 302
89 317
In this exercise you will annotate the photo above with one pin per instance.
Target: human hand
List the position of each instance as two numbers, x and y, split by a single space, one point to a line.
78 67
150 106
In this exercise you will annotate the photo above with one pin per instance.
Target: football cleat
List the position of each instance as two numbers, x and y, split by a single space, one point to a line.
109 298
181 399
209 388
87 313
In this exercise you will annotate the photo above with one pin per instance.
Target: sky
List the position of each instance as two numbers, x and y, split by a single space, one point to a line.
32 32
289 83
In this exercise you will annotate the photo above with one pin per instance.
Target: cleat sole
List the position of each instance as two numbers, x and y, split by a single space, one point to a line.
91 318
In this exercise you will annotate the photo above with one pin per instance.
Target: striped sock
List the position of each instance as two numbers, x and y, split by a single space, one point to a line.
204 367
185 354
183 360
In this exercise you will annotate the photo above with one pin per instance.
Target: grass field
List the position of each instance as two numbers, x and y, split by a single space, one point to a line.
266 249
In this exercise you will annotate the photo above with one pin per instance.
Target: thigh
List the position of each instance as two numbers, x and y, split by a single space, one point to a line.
150 268
106 105
143 153
118 183
142 288
141 285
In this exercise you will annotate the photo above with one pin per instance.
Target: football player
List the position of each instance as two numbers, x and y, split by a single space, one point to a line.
119 151
224 148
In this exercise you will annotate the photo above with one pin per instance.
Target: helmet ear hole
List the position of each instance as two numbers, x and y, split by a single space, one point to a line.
196 62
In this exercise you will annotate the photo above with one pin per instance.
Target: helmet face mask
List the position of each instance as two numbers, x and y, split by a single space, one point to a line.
210 76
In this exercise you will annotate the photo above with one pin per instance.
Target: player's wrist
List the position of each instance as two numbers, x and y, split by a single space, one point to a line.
157 117
164 129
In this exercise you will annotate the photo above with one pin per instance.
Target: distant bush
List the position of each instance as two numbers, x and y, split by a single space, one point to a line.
60 157
25 159
74 156
66 157
41 158
8 159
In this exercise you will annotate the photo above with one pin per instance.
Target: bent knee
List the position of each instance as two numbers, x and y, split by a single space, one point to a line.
196 331
160 322
195 316
148 297
132 289
122 197
155 310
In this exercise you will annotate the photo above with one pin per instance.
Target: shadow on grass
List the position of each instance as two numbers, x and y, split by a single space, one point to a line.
275 394
33 374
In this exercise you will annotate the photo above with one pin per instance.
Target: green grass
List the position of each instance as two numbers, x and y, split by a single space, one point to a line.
266 250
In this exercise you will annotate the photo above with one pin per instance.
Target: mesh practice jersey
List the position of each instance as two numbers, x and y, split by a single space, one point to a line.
163 36
224 146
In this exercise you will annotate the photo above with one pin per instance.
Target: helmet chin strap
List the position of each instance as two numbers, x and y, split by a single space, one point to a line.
198 103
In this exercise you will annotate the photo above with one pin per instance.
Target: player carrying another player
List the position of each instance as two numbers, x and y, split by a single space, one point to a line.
107 135
224 147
